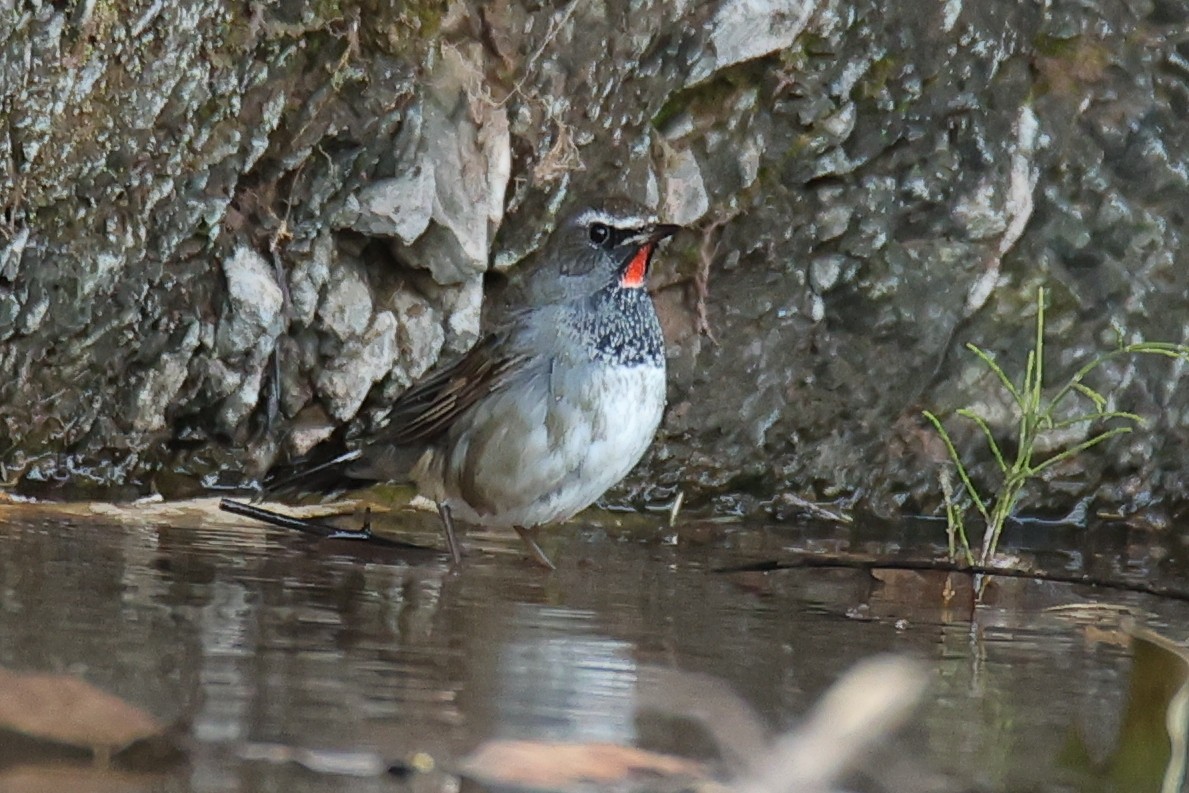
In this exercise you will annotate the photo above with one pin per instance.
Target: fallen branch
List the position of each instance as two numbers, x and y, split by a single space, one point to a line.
818 561
323 531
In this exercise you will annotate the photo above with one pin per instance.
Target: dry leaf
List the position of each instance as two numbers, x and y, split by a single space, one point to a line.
916 593
67 710
545 765
57 778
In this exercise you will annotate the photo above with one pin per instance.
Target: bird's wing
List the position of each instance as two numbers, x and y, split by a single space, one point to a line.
420 414
428 408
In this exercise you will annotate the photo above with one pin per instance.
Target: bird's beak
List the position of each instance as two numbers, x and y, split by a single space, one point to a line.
662 231
651 235
635 267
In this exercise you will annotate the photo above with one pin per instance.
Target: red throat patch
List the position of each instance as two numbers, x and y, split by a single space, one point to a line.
633 274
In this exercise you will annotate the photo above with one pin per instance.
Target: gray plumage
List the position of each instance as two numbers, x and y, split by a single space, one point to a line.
547 412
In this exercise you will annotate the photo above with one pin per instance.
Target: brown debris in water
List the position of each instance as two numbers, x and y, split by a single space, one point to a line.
70 711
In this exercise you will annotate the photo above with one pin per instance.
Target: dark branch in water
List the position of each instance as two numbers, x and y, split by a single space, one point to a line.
940 565
323 531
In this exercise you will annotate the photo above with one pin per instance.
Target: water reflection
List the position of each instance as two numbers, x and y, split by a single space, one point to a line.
555 678
257 638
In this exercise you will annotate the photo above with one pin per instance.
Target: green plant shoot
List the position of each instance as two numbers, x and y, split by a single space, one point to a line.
1036 416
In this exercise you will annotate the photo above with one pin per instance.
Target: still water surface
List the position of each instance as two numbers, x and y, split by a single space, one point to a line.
252 636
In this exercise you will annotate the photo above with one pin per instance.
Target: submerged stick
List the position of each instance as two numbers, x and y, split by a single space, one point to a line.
323 531
868 563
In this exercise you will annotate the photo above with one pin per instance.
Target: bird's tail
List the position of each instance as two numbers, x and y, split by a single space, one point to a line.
324 472
332 468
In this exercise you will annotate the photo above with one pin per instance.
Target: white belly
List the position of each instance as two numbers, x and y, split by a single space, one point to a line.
546 448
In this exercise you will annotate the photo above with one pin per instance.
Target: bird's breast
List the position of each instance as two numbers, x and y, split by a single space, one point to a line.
625 405
549 445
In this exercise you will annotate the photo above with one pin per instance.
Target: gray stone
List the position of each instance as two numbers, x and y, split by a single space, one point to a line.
346 307
252 318
463 306
892 184
33 313
745 29
222 379
685 200
11 252
399 207
310 427
307 278
466 148
160 385
10 308
240 403
826 272
834 218
344 382
420 337
749 162
980 212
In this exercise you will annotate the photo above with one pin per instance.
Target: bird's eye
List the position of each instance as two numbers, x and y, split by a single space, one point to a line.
599 233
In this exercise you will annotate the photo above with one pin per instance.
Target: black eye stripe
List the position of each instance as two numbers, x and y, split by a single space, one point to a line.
619 235
609 236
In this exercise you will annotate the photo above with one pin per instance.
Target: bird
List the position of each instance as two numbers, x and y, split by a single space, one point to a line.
547 411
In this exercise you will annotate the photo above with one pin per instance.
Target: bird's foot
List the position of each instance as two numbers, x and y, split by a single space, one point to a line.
529 537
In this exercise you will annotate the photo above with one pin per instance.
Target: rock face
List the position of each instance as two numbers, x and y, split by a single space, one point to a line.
226 228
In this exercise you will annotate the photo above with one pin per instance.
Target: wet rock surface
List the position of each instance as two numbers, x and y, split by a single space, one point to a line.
213 258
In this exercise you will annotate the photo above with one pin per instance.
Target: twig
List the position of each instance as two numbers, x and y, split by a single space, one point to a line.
707 249
323 531
817 510
675 508
819 561
555 26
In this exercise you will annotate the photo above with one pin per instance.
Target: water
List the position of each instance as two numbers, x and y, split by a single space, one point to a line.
252 638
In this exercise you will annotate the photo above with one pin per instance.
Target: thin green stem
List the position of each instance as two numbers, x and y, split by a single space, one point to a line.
981 423
987 359
1079 448
955 524
1036 418
967 484
1167 349
1086 418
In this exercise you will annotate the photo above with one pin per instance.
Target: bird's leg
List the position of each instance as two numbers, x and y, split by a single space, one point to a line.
529 536
448 528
